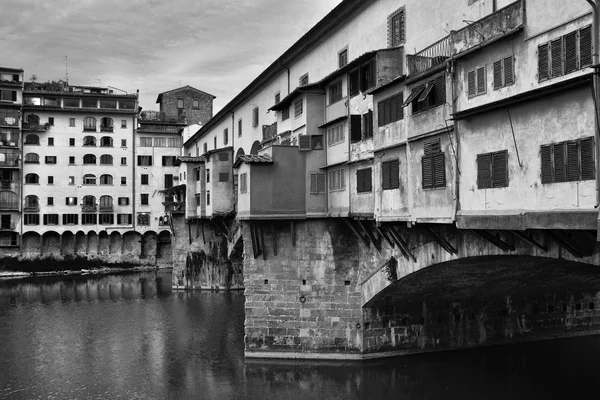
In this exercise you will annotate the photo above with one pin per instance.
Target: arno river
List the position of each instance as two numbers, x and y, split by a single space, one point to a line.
131 337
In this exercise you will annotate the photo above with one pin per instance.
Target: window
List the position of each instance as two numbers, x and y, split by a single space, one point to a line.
565 54
71 122
51 121
343 58
277 97
104 103
430 95
255 117
107 219
124 219
476 81
123 160
89 141
571 160
70 219
244 183
367 122
390 110
71 141
367 76
106 179
336 134
169 180
32 179
144 199
215 142
168 161
71 201
11 117
207 175
395 28
67 102
240 127
198 199
179 103
8 95
31 203
363 180
145 161
71 180
89 219
123 123
143 218
433 165
31 219
50 180
123 142
317 183
205 147
32 158
337 179
145 142
196 104
225 136
335 92
123 201
89 159
285 113
32 139
50 201
71 160
223 176
144 179
504 74
50 219
89 124
208 197
50 141
174 142
492 170
89 103
390 175
89 179
123 180
160 142
106 141
106 203
298 108
303 80
353 79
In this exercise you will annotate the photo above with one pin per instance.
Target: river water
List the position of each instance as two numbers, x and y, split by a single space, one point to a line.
130 337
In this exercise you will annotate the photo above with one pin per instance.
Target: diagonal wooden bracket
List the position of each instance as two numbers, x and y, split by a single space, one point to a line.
442 241
402 245
356 232
496 241
369 233
528 238
572 245
383 233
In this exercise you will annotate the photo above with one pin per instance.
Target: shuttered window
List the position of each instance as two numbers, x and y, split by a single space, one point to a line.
244 183
390 110
433 165
492 170
367 120
317 183
476 81
336 134
428 96
504 74
565 55
354 78
335 92
337 180
363 180
390 174
571 160
395 28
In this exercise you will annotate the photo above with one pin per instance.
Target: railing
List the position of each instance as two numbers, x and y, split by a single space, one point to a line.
106 208
87 208
35 127
31 208
9 206
10 226
89 129
6 185
430 56
106 128
8 242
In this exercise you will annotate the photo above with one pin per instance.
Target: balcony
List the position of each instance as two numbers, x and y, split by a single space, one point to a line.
27 126
31 208
176 207
430 57
8 227
89 129
106 208
89 208
336 110
6 185
106 128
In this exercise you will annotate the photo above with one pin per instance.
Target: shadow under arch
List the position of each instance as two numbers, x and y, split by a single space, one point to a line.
255 147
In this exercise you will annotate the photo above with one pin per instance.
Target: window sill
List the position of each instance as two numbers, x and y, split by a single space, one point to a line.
435 188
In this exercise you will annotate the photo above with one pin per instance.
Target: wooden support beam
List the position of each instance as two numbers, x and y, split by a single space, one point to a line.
384 234
203 237
274 239
189 232
496 241
293 233
402 244
528 238
367 230
353 229
567 244
262 243
253 239
442 241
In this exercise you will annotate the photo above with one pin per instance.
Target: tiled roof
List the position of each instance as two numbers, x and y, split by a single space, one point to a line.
30 107
252 158
80 94
162 129
191 159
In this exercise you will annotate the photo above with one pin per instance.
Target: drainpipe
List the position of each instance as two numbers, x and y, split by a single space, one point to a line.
596 84
453 83
133 161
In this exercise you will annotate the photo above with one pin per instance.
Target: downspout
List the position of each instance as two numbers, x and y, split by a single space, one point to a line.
453 83
596 85
133 161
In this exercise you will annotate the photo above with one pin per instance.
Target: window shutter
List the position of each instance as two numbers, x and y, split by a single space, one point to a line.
509 71
427 171
471 82
342 178
543 62
381 113
355 125
439 170
588 168
440 90
585 47
368 180
431 146
385 175
354 78
559 162
572 161
360 181
498 74
321 183
571 52
484 173
556 60
304 142
481 80
313 183
546 164
13 95
500 169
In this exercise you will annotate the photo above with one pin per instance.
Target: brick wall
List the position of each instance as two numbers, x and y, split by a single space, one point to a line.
193 116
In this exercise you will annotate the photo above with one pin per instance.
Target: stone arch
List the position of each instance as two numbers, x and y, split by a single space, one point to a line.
31 243
149 242
93 242
103 243
51 245
164 252
116 243
81 243
255 147
131 245
68 243
240 152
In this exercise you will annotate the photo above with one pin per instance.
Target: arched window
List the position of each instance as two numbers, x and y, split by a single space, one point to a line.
89 179
106 124
106 203
89 141
89 124
32 158
32 119
88 203
31 202
32 178
106 159
32 139
106 141
89 159
106 180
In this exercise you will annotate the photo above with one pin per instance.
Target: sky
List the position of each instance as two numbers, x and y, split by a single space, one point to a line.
217 46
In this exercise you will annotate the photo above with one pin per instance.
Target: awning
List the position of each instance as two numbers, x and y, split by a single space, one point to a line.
413 95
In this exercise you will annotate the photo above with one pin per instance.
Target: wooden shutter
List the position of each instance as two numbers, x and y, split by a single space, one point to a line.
471 83
588 168
427 172
385 175
223 176
481 80
543 64
394 174
321 183
431 146
570 52
484 171
440 90
546 158
560 174
498 74
354 78
572 161
509 71
304 142
585 47
500 169
439 170
556 66
313 183
381 113
355 128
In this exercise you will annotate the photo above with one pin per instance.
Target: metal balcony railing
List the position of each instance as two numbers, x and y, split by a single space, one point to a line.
89 208
31 208
429 57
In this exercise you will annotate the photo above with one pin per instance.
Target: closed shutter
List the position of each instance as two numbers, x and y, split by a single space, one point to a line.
342 178
13 95
481 80
585 47
571 52
559 162
385 175
223 157
509 71
572 161
588 168
321 183
381 113
395 174
304 142
556 53
223 176
45 219
546 158
484 172
471 83
500 169
355 128
354 78
427 172
440 90
439 170
498 74
363 180
543 62
313 183
431 146
394 108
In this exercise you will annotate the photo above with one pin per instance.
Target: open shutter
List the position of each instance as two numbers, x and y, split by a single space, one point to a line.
313 183
572 161
498 74
481 80
585 47
500 169
385 175
415 92
543 64
571 52
509 71
484 171
321 183
354 79
427 172
588 168
368 180
440 90
381 113
439 170
471 83
428 89
560 174
546 158
355 128
556 54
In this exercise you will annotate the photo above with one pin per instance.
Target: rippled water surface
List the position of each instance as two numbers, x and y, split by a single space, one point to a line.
130 337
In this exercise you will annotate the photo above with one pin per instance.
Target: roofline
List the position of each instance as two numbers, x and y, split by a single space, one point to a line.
183 87
11 69
330 23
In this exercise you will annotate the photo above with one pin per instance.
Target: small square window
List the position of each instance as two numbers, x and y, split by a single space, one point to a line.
123 123
303 80
123 160
196 104
144 179
123 180
51 121
71 122
71 159
71 141
123 142
50 159
144 199
180 103
50 180
50 201
343 58
71 180
50 141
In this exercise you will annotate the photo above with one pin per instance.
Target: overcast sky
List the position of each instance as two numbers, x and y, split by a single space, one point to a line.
218 46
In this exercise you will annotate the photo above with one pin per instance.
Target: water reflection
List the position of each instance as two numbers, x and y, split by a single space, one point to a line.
130 337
